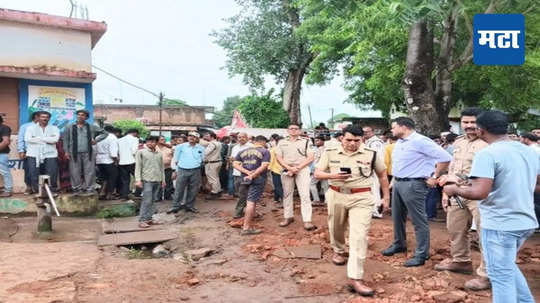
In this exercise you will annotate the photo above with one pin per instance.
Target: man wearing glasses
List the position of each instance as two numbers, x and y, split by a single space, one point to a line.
295 154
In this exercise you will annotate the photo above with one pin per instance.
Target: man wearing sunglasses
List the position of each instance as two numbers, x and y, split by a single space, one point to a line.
295 154
349 169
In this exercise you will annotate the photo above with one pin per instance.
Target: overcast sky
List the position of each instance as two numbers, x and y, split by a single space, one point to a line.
164 45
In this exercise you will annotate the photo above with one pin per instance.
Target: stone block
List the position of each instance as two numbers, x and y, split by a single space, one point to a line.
70 205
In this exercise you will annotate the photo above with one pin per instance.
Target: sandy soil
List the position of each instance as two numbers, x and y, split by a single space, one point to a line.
69 267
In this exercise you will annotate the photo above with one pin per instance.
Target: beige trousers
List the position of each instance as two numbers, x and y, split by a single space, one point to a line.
212 175
356 209
302 180
458 223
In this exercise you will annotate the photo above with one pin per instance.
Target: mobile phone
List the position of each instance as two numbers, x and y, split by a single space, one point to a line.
345 170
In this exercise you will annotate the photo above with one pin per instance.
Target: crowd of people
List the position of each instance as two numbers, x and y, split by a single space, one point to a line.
485 180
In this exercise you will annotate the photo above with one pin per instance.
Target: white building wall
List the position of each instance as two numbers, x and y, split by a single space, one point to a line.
26 45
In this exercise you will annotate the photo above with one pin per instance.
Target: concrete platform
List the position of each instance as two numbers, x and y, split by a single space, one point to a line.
68 205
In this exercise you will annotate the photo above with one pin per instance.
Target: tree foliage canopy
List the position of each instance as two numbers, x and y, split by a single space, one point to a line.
126 125
367 40
264 111
260 41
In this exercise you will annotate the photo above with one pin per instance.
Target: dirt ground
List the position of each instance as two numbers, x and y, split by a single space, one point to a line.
69 267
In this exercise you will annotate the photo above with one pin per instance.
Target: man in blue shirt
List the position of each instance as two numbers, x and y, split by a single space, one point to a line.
21 149
504 176
188 158
417 162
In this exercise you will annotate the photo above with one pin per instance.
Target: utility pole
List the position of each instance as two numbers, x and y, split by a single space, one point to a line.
332 116
310 120
160 111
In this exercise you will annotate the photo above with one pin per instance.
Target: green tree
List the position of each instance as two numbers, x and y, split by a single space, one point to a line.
368 40
264 111
224 117
261 41
126 125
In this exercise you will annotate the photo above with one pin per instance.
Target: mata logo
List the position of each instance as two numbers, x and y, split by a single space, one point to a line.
499 39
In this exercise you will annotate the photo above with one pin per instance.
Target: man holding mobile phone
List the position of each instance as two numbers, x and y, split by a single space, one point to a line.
349 168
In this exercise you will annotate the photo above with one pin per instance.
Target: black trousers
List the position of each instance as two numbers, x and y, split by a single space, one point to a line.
109 173
48 167
167 192
126 171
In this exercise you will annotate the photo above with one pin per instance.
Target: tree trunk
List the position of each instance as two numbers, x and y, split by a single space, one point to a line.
291 94
443 79
417 83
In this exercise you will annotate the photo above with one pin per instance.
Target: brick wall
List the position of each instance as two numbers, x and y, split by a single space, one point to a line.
150 115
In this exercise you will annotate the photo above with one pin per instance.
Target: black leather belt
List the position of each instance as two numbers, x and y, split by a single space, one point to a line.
190 168
409 179
206 162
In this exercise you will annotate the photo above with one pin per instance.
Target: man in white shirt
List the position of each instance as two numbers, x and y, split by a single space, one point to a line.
41 151
106 159
127 147
237 175
374 143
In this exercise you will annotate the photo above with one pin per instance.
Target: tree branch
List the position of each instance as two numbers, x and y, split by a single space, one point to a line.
468 22
529 9
467 55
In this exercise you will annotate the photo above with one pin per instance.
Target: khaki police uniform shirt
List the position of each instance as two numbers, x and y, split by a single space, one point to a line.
464 151
212 151
359 162
294 152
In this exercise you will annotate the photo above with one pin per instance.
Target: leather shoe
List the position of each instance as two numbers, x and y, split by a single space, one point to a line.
191 210
309 226
173 210
359 287
286 222
338 259
459 267
415 262
392 250
478 284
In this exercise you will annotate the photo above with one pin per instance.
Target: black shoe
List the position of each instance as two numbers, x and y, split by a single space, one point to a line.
415 262
392 250
425 258
191 210
173 210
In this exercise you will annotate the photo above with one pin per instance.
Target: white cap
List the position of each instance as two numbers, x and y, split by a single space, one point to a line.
194 134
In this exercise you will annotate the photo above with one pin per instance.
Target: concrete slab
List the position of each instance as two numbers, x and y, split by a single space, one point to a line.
306 251
136 237
126 225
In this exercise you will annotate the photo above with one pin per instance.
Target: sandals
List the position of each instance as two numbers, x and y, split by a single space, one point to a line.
249 232
144 225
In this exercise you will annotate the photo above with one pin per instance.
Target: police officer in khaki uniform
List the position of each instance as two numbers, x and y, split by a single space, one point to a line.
295 154
349 169
212 163
459 220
